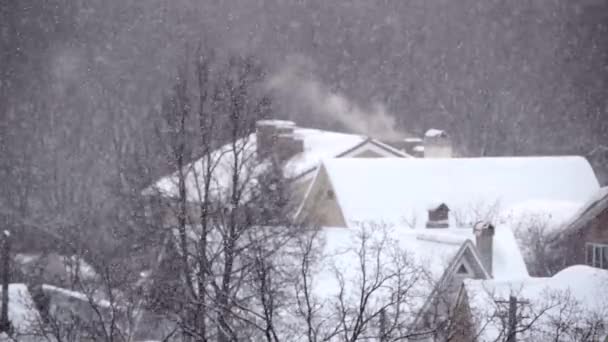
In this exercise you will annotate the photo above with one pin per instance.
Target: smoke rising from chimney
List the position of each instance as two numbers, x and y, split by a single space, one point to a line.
305 94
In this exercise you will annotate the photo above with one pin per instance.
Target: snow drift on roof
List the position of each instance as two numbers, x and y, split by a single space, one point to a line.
399 190
318 145
21 309
433 250
425 259
431 133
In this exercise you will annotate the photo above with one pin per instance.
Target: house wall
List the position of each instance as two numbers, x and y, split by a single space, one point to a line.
445 297
463 329
596 231
368 154
320 207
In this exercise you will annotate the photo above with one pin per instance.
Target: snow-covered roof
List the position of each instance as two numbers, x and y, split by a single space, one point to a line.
57 263
507 259
396 191
89 299
22 311
572 296
431 251
318 145
426 259
432 133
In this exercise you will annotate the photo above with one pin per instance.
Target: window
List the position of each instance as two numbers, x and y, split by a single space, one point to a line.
330 194
463 270
597 255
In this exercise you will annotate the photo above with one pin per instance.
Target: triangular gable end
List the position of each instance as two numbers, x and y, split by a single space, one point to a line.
321 200
370 148
467 257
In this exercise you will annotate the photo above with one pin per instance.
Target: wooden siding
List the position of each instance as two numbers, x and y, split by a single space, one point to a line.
596 231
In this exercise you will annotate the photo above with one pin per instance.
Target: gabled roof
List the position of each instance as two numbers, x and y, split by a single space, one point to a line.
397 190
574 288
318 145
437 251
22 311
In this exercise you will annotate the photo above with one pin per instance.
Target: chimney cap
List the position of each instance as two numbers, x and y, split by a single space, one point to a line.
275 123
483 226
437 205
435 133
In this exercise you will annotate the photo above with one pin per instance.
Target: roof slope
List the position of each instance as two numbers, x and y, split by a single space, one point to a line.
432 250
571 296
591 209
318 145
22 312
388 250
400 190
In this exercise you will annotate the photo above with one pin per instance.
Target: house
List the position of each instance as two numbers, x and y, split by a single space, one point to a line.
438 261
23 315
584 238
77 315
400 192
569 306
298 150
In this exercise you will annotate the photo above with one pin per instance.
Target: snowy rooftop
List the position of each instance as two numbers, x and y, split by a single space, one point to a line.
430 250
21 309
576 293
318 145
399 191
431 133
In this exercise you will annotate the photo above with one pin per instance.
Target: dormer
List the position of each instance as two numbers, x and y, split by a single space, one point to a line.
438 216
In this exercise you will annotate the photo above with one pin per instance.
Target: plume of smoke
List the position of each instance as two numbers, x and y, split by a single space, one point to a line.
294 84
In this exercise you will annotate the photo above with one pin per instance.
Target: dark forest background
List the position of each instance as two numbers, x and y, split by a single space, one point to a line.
82 82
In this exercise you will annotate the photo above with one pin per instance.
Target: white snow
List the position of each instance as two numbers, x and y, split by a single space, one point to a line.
398 190
551 213
277 123
318 145
427 259
21 309
579 285
432 250
92 299
431 133
507 260
419 148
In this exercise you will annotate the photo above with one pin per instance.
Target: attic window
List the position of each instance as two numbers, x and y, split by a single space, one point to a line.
330 194
462 270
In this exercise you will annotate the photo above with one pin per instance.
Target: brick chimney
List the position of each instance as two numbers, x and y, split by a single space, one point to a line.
439 216
484 240
437 144
277 138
